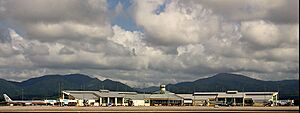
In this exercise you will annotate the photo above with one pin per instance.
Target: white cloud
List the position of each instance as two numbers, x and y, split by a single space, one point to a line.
256 45
49 20
67 31
133 41
282 11
32 11
184 41
177 24
261 34
65 50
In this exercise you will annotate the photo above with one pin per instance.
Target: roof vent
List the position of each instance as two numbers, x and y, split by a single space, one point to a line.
231 92
104 91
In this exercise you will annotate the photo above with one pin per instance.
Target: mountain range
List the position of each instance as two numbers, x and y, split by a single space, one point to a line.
49 86
224 81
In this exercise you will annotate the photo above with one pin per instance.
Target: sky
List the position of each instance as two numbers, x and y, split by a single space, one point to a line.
149 42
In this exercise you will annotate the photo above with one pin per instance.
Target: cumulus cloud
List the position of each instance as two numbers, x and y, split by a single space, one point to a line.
55 11
66 31
261 34
177 41
279 11
177 23
49 20
133 41
230 44
66 51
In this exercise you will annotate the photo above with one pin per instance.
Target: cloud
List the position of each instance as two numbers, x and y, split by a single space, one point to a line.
229 44
106 55
32 11
49 20
177 24
66 31
178 41
133 41
278 11
261 34
66 51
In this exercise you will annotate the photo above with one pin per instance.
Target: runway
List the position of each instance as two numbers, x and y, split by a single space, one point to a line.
160 109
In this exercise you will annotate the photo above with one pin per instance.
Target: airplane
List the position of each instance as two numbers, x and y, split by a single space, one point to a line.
26 102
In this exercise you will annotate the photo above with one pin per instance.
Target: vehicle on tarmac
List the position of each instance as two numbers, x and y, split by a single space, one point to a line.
285 102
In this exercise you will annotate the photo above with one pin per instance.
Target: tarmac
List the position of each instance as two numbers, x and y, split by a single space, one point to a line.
150 109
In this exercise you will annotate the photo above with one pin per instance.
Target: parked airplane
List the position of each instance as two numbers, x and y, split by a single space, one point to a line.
26 102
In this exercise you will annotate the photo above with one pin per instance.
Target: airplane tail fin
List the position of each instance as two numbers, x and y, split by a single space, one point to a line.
7 99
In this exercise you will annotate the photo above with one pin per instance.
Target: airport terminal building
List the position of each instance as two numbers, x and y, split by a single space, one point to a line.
94 98
166 98
234 98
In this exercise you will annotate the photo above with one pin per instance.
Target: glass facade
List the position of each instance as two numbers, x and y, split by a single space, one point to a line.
165 102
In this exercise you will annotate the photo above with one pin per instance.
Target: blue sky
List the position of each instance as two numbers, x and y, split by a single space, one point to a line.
123 19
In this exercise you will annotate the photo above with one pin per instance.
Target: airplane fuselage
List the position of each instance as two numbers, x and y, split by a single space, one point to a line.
17 102
27 102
